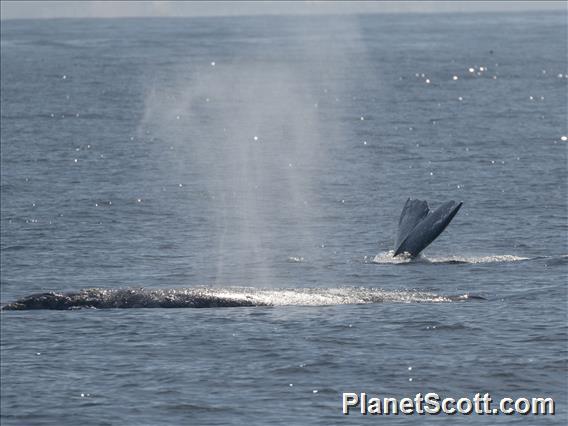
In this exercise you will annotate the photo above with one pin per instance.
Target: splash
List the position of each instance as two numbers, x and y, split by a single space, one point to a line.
204 297
387 258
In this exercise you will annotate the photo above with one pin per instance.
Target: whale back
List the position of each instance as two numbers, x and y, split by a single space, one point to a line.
419 226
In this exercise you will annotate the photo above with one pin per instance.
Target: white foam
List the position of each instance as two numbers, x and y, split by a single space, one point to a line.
387 258
476 259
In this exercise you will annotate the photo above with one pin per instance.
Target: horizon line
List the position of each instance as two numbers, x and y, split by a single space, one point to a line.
45 10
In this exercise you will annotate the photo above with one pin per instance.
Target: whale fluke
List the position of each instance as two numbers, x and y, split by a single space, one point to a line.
418 226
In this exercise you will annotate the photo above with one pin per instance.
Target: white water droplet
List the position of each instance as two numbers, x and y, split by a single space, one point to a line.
455 77
213 63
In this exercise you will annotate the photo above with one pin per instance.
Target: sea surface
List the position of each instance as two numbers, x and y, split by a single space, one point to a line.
264 161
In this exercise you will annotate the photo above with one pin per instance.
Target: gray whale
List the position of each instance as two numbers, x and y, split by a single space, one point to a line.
228 297
418 226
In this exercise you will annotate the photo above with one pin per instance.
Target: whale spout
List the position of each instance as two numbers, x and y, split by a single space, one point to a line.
418 226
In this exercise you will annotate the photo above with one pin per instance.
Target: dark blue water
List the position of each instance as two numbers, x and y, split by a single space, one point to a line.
267 159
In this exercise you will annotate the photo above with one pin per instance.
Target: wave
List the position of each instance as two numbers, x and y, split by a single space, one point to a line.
387 258
204 297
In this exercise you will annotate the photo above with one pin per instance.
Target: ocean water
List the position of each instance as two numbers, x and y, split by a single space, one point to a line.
258 167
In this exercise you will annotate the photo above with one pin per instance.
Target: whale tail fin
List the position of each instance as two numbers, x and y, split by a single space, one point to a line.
418 226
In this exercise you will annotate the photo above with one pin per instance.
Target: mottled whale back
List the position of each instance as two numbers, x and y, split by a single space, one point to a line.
418 226
229 297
